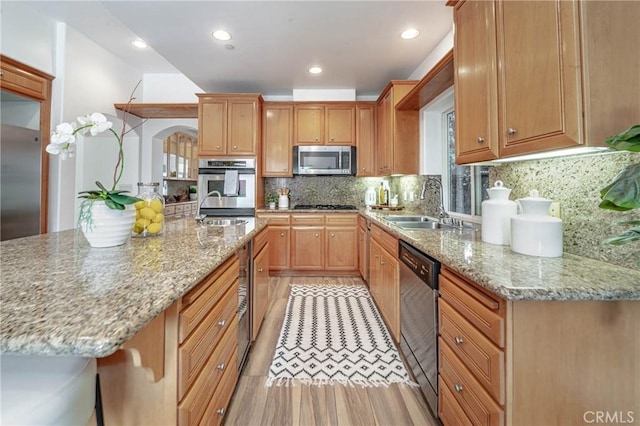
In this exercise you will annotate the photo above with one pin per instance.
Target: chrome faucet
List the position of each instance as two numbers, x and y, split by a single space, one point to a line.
443 213
200 217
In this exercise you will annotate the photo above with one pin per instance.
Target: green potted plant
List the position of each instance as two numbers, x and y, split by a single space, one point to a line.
271 200
193 192
623 193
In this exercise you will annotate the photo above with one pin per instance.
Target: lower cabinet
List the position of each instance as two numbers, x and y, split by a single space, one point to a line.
313 243
384 278
363 254
260 301
182 368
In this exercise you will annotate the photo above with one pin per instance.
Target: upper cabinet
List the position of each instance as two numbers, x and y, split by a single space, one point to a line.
324 124
365 139
538 76
229 124
397 131
277 130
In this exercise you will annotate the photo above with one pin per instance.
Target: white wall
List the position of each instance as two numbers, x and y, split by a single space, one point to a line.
168 88
441 49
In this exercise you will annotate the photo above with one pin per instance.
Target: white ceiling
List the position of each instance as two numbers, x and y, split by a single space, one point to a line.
357 43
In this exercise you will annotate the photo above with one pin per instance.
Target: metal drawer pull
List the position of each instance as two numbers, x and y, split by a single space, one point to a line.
480 139
457 387
458 340
282 234
317 235
221 366
511 131
333 235
235 147
220 411
222 323
259 269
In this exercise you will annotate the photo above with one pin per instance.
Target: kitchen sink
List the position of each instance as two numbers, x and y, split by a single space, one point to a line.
224 222
407 218
428 224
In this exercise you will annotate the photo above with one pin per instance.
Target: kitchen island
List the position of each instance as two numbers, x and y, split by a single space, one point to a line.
62 297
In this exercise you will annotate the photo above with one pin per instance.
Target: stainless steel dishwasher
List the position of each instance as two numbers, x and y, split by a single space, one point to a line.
419 319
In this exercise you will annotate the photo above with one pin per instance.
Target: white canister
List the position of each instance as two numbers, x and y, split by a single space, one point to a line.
283 202
534 232
496 215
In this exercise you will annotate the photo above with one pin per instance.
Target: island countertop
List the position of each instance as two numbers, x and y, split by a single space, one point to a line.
515 276
59 296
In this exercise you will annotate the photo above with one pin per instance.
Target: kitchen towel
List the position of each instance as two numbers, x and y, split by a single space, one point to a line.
334 334
231 182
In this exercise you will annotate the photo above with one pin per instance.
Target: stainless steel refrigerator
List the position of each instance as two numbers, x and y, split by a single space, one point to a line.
20 182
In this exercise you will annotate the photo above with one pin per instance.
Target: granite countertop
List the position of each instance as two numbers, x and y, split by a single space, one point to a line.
293 210
515 276
59 296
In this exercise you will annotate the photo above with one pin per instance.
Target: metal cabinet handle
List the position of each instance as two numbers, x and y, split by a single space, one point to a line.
458 340
221 366
282 234
235 147
511 131
480 139
218 147
317 235
457 387
332 139
317 139
259 269
220 411
222 323
333 235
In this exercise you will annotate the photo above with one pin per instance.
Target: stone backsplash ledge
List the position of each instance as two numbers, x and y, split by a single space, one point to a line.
574 182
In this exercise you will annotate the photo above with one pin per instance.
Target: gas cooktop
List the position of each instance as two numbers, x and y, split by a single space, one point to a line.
324 207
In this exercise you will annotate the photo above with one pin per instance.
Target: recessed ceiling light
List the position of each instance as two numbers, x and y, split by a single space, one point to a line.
315 70
410 33
140 44
221 35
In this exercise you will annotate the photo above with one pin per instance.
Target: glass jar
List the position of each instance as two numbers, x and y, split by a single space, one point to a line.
149 211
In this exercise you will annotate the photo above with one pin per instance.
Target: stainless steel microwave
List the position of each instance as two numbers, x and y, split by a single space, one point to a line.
324 160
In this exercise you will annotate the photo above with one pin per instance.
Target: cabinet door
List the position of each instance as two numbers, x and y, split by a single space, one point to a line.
342 249
375 277
365 140
390 289
307 248
340 125
212 127
242 126
363 256
260 300
476 82
309 125
539 63
278 140
279 248
385 135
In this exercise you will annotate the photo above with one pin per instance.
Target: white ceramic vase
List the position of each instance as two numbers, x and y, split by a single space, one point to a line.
107 227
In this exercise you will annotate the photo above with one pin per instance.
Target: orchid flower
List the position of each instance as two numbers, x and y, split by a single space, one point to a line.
94 123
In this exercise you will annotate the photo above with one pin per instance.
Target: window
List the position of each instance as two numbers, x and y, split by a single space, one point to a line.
464 186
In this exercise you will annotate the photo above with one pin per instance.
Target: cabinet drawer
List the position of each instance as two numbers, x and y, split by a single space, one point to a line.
198 302
276 219
387 241
482 357
219 404
307 219
341 219
449 411
482 310
169 210
194 352
259 241
192 407
474 400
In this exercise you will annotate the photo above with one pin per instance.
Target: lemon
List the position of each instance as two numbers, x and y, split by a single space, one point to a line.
147 213
137 228
143 222
156 205
158 219
154 228
140 204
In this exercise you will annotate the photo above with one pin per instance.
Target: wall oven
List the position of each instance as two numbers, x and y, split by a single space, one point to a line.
227 187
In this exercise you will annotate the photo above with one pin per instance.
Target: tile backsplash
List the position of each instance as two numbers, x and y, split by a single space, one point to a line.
574 182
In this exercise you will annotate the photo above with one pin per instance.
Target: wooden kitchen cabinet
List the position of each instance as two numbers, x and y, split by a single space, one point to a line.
397 132
324 124
277 130
341 234
189 357
363 254
384 277
551 75
307 247
228 124
365 139
279 230
260 301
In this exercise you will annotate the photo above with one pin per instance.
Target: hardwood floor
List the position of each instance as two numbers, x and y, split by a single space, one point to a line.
255 404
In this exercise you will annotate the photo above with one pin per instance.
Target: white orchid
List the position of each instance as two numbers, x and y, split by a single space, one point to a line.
65 133
94 123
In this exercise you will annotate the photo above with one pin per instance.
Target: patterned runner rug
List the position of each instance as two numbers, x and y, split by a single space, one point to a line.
334 334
